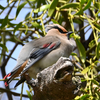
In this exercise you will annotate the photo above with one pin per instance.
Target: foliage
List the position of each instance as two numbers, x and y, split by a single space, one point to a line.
80 16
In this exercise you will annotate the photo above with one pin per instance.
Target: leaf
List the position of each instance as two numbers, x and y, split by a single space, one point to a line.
39 3
32 0
76 20
85 70
42 8
20 7
80 11
92 43
17 39
11 24
26 28
98 50
70 5
12 39
82 2
52 7
54 21
75 56
36 25
96 25
29 94
95 82
4 22
1 20
17 27
81 51
97 5
4 47
1 7
88 5
27 15
85 97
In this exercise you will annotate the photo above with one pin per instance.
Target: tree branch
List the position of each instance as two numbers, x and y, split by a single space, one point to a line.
55 82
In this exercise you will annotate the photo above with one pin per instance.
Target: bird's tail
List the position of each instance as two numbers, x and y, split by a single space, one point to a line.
15 73
10 78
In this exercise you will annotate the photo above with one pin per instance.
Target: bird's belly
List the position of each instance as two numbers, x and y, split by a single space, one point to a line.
47 61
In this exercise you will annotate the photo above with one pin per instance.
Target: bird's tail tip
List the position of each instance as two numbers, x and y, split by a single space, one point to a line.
5 77
6 84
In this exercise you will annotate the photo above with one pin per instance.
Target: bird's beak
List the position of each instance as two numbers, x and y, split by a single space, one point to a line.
68 34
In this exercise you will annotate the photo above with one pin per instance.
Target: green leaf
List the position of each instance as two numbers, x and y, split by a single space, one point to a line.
4 47
70 5
17 27
11 24
96 25
17 39
42 8
12 39
75 56
92 43
1 7
95 82
1 20
54 21
81 51
85 70
29 94
4 22
85 97
27 15
52 7
97 5
39 3
88 5
82 1
98 50
76 20
26 28
36 25
32 0
20 7
80 10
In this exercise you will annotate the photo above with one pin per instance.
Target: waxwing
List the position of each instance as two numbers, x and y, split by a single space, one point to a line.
41 53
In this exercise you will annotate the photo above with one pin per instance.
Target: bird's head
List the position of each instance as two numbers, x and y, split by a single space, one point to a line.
56 29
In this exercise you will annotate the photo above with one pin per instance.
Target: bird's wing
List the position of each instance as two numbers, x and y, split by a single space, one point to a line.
40 53
43 47
34 47
37 43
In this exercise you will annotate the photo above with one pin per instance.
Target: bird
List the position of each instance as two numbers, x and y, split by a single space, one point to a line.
41 53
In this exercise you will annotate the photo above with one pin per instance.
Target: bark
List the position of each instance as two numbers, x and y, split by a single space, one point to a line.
56 82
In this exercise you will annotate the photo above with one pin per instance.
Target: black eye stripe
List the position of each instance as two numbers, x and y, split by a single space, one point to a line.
60 30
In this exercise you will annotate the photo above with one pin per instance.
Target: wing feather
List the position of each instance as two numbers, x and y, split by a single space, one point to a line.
40 54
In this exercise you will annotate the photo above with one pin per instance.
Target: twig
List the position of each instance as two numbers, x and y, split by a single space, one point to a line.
21 91
5 62
11 8
8 55
14 93
27 36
